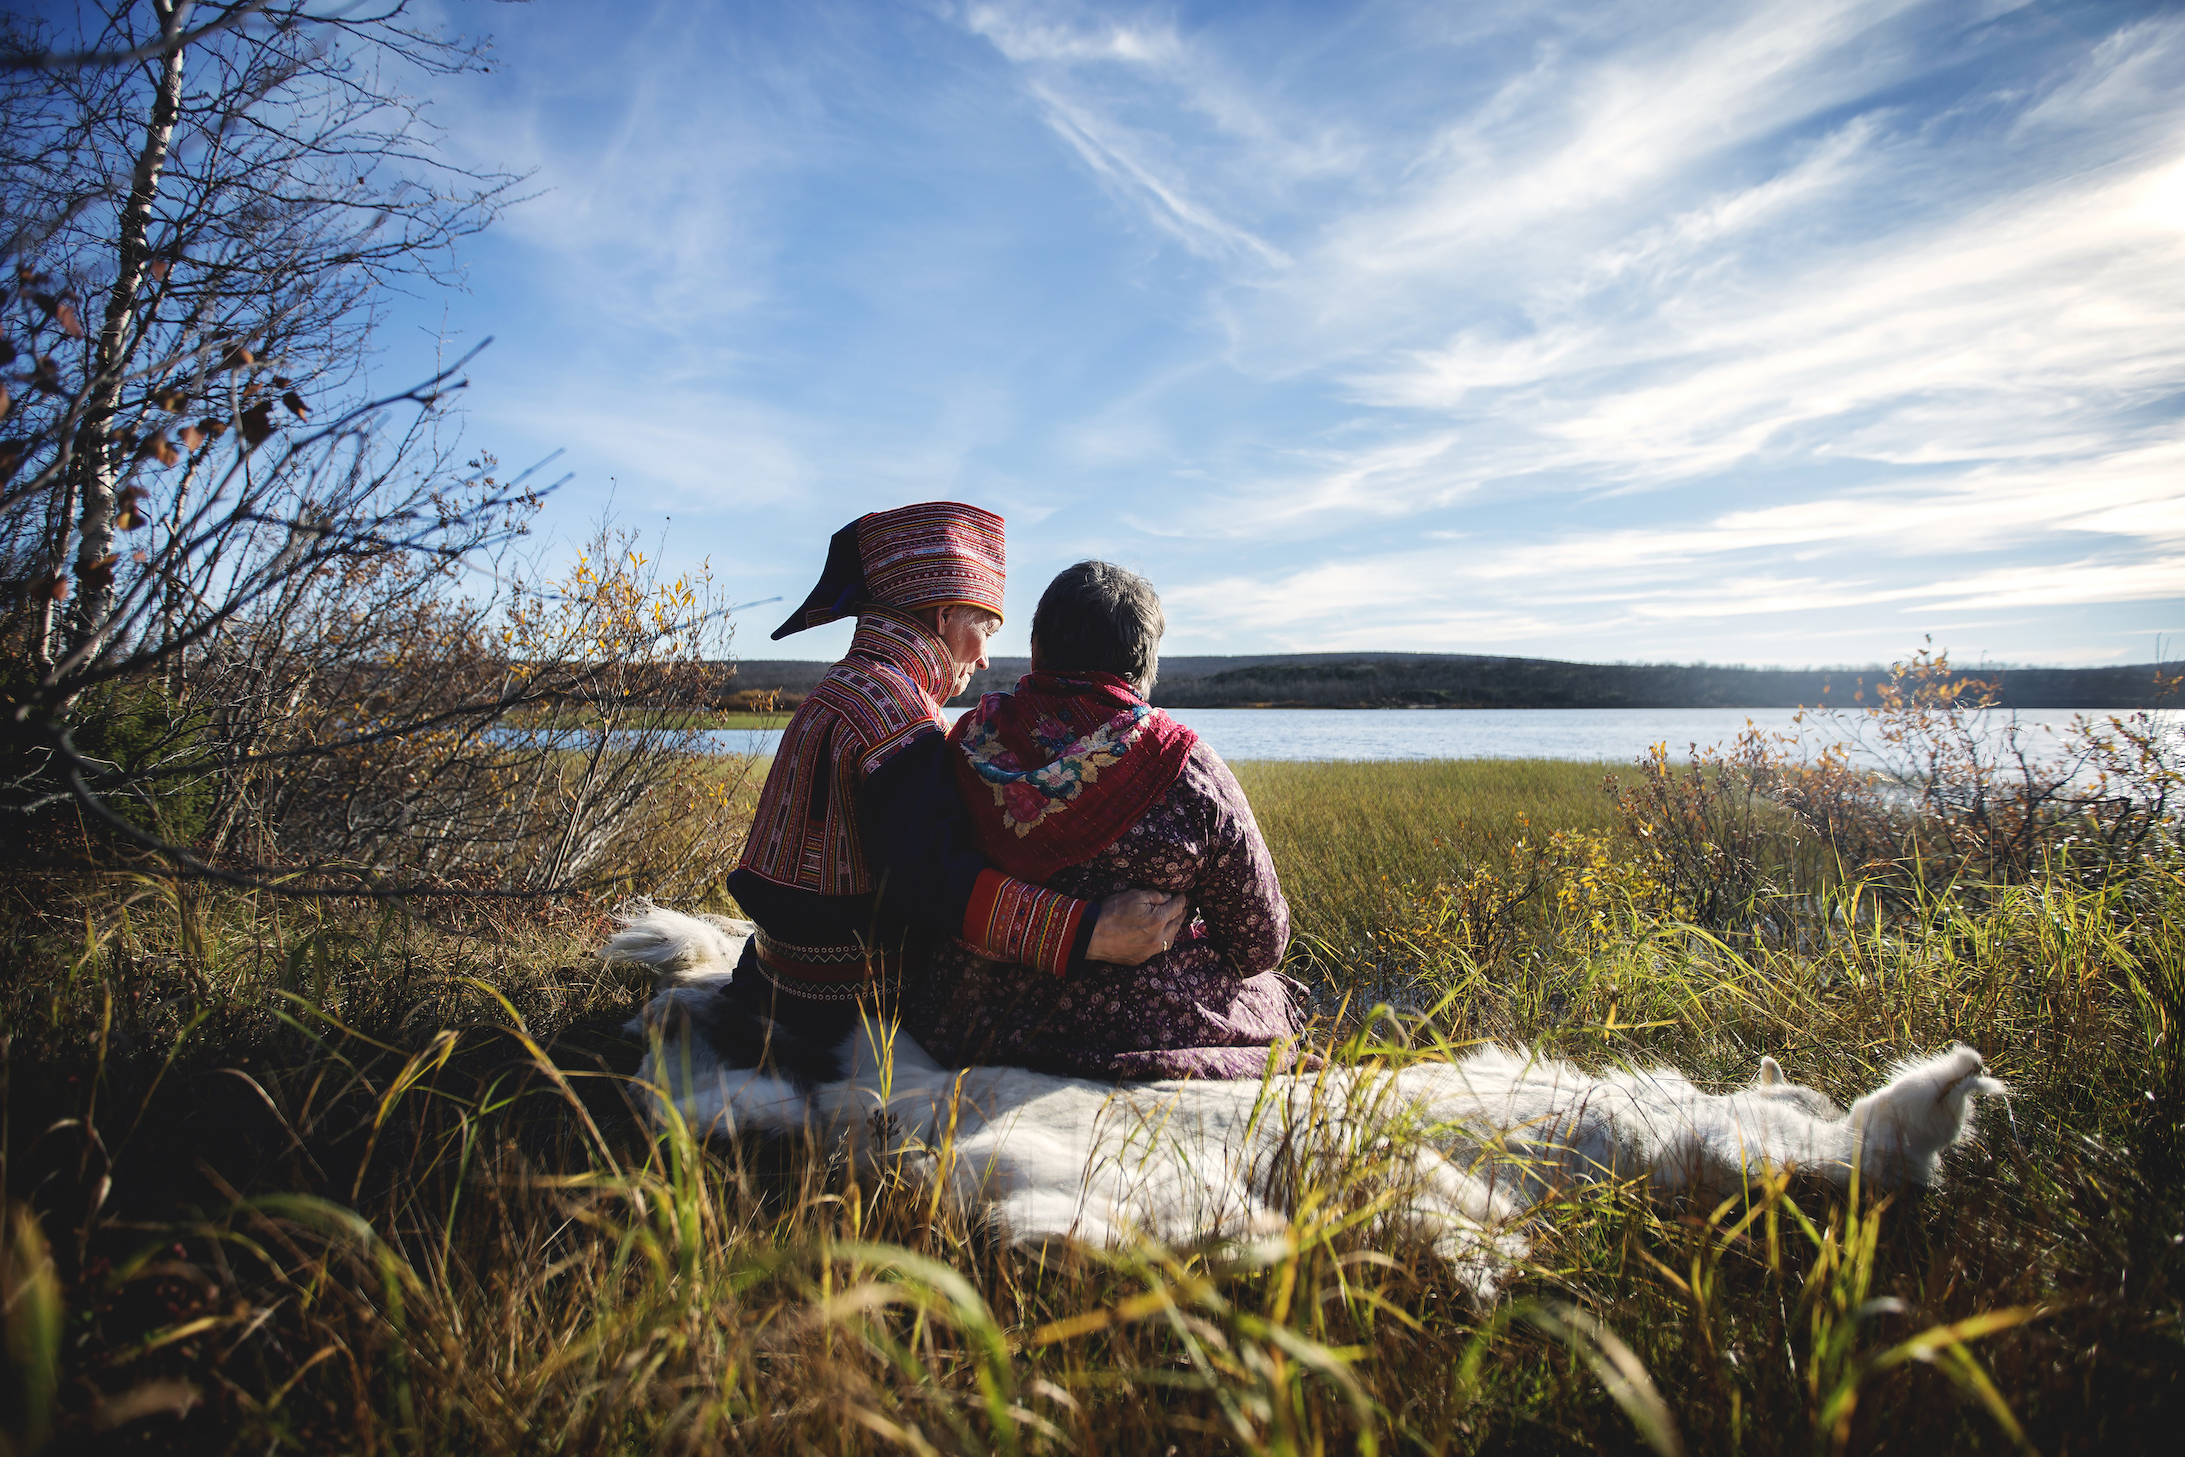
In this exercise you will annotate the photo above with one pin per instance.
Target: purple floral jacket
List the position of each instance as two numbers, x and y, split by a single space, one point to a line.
1210 1006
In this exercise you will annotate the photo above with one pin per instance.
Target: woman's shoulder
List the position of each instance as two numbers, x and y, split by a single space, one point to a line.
1206 779
1206 766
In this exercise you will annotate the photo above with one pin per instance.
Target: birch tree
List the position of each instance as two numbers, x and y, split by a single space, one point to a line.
325 594
227 208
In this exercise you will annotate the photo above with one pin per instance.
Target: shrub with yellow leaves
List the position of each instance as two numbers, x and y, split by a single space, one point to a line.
541 738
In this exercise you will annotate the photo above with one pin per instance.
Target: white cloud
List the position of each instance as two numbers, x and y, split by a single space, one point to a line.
1854 549
650 192
2069 583
1578 146
1414 473
2037 326
1113 156
1024 33
1168 124
1558 326
2131 72
681 453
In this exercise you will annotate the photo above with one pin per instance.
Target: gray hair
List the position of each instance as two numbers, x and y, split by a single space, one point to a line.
1097 617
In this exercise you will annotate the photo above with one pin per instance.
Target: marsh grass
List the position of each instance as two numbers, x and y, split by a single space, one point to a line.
371 1179
1352 840
1344 834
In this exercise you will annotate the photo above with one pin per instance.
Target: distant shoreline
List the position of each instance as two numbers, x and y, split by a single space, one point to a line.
1466 681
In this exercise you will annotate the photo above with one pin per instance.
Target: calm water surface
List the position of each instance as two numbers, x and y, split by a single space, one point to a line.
1613 734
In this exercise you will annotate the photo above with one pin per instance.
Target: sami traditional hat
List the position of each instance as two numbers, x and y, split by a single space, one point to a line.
914 556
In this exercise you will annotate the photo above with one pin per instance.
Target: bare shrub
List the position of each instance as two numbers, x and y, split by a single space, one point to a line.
1930 784
525 740
1705 832
254 621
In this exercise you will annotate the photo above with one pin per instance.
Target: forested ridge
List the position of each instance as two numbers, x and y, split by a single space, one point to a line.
1472 680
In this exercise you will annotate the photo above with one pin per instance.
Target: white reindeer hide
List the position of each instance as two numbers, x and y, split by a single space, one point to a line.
1458 1150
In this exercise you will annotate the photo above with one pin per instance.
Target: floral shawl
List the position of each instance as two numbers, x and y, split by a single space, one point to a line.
1056 771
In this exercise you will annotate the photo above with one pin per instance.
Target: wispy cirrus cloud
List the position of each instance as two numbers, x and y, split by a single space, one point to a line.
1027 33
1820 573
1746 258
1781 330
1169 204
1168 123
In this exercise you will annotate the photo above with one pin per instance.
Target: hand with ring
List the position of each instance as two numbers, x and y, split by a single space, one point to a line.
1137 925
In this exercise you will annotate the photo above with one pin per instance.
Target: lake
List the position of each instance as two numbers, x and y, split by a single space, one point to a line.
1615 735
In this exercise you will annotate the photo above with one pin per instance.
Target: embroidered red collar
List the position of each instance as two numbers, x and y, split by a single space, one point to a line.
901 641
1056 772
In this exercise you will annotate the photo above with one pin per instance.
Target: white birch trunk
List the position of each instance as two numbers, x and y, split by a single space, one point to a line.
93 467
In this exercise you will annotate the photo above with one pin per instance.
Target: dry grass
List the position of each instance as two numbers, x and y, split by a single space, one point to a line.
369 1181
1348 836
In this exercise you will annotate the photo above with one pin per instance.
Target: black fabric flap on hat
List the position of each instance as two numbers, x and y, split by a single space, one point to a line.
841 586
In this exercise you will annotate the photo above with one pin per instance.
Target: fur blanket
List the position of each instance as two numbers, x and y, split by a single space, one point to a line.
1456 1152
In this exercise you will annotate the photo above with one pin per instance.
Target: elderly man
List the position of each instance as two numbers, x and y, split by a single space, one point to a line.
862 857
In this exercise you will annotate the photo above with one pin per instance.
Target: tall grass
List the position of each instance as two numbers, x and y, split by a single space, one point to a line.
1343 834
370 1180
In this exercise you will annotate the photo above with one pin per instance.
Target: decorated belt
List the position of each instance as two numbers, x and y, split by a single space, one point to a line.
824 973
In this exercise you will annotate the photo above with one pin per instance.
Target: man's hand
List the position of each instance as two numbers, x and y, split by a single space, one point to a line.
1136 925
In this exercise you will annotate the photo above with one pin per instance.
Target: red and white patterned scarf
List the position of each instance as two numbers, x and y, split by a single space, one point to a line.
1055 772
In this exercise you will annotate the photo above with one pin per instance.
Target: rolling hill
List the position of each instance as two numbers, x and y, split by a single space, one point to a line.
1469 680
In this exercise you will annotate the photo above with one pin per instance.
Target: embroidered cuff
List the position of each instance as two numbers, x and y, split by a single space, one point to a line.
1013 920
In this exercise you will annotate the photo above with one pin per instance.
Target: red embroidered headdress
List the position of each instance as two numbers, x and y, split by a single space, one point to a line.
915 556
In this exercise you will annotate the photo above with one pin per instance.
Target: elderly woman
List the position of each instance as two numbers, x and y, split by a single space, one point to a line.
1076 783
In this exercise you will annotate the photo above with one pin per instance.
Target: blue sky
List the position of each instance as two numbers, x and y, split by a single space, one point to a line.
1747 333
